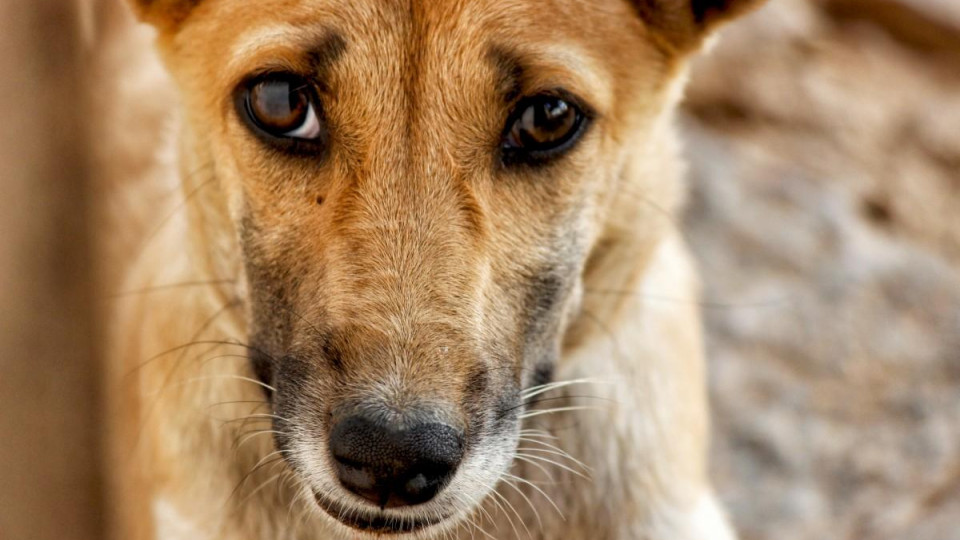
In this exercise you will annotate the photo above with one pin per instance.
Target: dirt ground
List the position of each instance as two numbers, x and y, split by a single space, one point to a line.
825 211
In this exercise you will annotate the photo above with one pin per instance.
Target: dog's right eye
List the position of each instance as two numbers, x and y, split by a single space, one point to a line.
282 106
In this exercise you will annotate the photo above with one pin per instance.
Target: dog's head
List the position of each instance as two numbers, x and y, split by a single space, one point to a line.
417 188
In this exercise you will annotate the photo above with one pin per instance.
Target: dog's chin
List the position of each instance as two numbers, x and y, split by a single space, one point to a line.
377 524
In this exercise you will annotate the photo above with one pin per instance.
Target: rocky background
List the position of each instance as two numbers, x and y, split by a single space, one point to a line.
824 142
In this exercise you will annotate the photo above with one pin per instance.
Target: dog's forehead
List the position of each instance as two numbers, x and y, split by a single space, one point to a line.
560 42
430 21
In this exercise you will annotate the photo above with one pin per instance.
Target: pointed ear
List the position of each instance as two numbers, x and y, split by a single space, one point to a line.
683 24
164 14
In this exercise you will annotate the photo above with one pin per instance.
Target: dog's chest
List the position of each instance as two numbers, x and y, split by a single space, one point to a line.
171 524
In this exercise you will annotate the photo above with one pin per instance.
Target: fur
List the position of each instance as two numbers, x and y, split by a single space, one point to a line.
403 268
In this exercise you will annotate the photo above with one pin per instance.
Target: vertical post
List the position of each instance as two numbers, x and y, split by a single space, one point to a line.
50 482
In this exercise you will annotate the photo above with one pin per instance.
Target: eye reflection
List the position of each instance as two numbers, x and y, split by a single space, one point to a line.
542 126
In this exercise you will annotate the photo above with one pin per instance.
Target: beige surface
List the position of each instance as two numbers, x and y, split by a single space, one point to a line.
48 452
826 215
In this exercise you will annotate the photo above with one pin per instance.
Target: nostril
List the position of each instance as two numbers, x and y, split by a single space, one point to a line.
394 467
424 481
357 477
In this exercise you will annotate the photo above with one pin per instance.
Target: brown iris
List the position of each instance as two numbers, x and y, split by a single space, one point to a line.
542 124
281 106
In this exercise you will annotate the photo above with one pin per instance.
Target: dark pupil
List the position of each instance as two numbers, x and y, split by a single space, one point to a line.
277 106
545 122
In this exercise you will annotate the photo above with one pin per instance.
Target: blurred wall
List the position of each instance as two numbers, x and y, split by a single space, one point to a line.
49 459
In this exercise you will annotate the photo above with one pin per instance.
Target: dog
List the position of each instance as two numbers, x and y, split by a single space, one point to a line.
409 289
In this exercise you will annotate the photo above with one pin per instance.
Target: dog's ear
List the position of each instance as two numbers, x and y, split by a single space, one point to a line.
683 24
164 14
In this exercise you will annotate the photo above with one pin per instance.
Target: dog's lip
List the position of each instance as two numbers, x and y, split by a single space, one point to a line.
375 523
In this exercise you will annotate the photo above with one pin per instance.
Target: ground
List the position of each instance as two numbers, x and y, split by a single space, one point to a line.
825 213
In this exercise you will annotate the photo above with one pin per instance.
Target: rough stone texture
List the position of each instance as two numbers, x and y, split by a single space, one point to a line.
824 141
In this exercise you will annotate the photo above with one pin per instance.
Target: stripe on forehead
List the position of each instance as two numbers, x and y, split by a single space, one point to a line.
320 45
548 66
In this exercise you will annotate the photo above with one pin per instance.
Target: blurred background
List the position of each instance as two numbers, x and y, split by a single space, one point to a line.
823 138
49 434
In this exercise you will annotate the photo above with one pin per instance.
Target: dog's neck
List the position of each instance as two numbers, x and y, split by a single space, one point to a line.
642 211
210 239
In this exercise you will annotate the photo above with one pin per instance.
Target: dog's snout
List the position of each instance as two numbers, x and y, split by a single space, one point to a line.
394 467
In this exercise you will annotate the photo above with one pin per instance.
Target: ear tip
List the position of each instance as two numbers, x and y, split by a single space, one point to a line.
727 9
163 14
686 23
713 13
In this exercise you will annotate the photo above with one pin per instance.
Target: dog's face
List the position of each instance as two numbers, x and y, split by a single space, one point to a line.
416 187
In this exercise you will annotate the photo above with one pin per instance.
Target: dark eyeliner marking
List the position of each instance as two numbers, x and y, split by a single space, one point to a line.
325 53
510 74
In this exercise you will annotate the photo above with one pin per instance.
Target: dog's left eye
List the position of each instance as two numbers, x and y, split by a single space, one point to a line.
542 127
282 106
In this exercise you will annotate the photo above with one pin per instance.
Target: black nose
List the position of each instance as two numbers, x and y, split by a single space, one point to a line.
393 467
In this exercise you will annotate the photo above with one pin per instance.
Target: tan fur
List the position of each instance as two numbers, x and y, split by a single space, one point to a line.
414 257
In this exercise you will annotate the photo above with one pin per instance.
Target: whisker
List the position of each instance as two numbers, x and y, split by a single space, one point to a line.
195 343
481 513
537 433
259 488
604 327
151 237
260 416
222 356
542 412
303 319
260 464
215 377
529 404
149 411
253 434
507 515
171 286
567 397
542 492
243 425
540 389
483 531
463 524
552 462
243 419
282 484
706 304
554 450
471 521
234 402
529 502
537 465
306 506
537 401
262 461
183 348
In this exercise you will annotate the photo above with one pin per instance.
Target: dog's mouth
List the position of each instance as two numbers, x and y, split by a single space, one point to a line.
376 522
